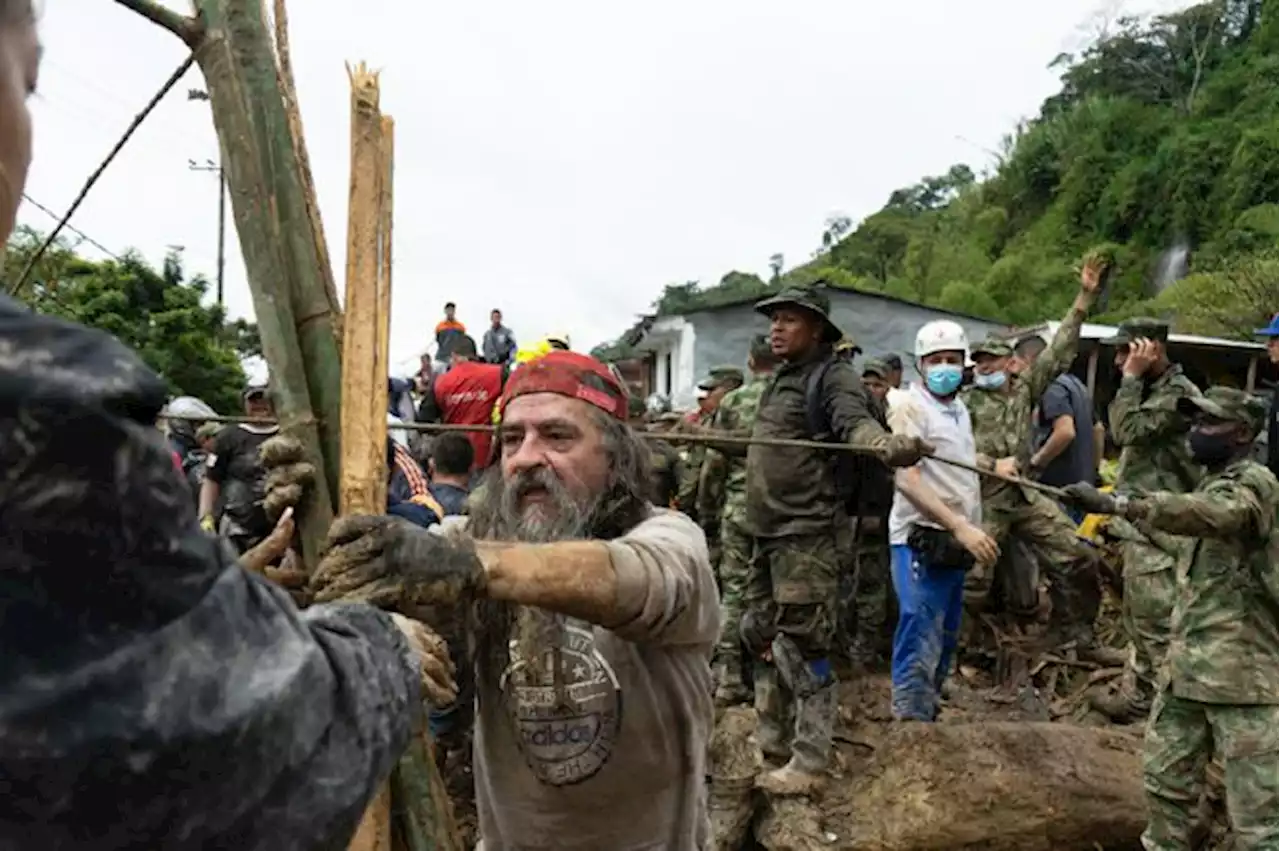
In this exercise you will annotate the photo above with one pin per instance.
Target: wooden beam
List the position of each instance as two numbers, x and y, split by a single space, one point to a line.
363 488
385 219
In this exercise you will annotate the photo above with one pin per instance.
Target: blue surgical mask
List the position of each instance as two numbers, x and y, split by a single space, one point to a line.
989 381
943 379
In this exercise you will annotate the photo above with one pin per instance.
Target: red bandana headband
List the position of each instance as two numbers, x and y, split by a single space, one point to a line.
569 374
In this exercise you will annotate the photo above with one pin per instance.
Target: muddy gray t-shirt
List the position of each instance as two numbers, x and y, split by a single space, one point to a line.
600 744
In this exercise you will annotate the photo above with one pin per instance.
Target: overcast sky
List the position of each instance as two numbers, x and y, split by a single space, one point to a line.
563 160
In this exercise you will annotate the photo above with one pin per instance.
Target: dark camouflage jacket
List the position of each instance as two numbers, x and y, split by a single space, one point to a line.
1224 627
152 693
792 491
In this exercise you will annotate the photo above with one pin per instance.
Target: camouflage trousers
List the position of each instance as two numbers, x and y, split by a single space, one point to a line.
866 598
734 574
795 588
1182 736
1150 590
1039 522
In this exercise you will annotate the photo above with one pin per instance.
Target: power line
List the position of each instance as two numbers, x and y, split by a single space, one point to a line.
84 236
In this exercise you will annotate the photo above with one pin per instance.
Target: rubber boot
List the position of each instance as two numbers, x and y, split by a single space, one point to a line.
730 689
733 761
811 751
772 729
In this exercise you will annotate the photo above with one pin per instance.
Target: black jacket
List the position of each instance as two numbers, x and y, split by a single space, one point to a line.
153 694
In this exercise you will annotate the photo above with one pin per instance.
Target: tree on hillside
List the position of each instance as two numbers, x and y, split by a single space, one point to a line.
776 264
159 314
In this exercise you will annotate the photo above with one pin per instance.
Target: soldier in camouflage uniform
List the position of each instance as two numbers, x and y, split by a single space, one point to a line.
867 601
1151 429
1218 683
704 507
1000 405
795 510
725 471
663 457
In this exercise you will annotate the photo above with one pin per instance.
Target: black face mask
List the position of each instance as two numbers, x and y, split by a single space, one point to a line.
1211 449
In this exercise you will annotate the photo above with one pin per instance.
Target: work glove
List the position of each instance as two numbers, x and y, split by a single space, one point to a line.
757 629
288 474
903 450
391 563
438 683
1086 496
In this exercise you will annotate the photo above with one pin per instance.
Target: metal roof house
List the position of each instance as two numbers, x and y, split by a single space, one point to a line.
681 349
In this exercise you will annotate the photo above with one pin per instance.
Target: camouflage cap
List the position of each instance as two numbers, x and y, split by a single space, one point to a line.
805 299
991 347
1140 327
760 348
208 431
876 367
728 376
846 344
1230 405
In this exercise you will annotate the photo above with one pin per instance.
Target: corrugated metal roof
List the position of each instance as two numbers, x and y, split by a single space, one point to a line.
1095 331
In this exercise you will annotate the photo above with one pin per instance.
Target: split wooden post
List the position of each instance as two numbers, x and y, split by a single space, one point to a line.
363 484
387 150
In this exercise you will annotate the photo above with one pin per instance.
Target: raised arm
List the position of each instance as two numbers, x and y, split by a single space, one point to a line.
1061 353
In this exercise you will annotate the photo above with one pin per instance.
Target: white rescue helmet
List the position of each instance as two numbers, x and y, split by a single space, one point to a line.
941 335
188 408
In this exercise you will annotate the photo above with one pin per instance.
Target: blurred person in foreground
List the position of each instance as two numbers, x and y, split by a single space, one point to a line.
596 615
153 693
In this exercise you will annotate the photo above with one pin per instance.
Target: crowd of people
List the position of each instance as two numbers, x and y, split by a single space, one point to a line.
591 593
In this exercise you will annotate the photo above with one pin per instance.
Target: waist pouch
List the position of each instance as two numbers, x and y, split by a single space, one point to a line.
939 548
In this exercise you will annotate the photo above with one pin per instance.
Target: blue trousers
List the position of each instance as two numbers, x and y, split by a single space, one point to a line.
930 602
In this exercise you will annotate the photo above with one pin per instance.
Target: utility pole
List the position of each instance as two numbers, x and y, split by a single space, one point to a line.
209 165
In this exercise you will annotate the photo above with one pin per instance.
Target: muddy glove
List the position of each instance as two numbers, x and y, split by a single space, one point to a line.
391 563
288 474
1092 500
902 450
438 683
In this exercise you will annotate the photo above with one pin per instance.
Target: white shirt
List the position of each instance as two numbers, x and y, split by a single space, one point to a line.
948 427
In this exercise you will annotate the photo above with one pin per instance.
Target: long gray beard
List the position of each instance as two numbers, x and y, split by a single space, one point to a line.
521 632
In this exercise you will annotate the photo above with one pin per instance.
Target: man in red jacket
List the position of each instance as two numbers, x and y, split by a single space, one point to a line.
465 395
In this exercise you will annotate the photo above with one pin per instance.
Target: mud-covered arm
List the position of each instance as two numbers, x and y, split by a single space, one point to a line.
1061 353
1135 420
1225 509
653 584
848 408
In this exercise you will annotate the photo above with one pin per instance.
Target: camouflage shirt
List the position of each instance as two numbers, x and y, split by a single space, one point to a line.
1002 418
1224 635
792 491
665 472
725 468
132 639
691 466
1146 423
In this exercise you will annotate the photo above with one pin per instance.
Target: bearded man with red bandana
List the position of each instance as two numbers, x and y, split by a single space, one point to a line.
594 619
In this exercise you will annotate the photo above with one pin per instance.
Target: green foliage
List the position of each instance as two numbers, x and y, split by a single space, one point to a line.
158 313
1163 135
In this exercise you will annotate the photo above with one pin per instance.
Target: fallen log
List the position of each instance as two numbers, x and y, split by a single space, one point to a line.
996 786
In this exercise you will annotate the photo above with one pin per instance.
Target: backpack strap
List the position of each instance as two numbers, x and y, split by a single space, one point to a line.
815 413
